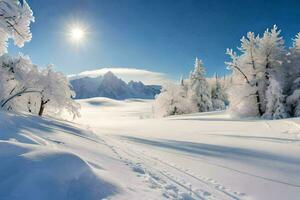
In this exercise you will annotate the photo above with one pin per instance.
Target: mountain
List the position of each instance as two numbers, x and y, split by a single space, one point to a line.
113 87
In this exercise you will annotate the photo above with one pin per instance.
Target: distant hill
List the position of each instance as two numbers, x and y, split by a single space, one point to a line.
113 87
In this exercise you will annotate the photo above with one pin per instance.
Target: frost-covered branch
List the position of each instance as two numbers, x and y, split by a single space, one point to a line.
18 94
15 19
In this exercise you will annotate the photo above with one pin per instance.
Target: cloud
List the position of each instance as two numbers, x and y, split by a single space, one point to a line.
127 74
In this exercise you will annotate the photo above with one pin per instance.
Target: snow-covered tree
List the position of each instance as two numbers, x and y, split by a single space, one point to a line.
293 64
191 95
18 77
293 100
25 88
293 78
260 59
199 91
244 90
275 107
218 95
271 61
15 19
56 94
173 100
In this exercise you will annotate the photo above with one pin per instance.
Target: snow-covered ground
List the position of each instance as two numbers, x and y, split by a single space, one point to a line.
116 150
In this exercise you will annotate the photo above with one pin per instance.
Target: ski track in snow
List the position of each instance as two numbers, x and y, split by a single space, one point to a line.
158 174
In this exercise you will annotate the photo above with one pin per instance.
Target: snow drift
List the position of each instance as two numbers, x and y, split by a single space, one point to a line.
32 172
35 168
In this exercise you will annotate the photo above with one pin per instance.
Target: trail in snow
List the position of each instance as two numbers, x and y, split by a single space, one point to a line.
193 185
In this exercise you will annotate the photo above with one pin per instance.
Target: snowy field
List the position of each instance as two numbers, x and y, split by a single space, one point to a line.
116 150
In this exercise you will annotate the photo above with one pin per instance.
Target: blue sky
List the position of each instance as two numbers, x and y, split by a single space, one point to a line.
156 35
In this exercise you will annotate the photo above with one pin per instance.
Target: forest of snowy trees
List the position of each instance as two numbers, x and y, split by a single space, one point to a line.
264 82
195 94
23 86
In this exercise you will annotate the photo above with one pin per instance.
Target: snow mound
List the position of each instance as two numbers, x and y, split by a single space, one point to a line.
38 161
30 172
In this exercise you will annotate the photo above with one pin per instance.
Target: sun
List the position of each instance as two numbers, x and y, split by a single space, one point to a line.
77 34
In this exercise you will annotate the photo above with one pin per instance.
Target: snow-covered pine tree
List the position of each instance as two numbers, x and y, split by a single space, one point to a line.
293 100
218 95
199 91
294 61
293 81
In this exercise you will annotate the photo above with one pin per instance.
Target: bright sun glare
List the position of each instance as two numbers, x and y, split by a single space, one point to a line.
77 34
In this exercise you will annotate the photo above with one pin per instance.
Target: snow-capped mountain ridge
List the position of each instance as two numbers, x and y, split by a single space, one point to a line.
109 85
126 74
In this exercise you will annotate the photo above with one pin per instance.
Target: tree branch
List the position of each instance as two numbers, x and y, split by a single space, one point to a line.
243 74
20 93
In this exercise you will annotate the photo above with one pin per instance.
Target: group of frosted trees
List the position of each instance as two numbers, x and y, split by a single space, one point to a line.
23 86
265 82
195 94
265 79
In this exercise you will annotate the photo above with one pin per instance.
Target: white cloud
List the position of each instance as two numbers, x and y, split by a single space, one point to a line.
127 74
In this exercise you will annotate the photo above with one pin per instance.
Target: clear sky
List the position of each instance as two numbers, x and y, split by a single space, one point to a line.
157 35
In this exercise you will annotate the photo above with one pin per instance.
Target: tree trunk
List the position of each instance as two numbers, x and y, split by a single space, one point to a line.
42 107
267 83
260 111
258 99
267 74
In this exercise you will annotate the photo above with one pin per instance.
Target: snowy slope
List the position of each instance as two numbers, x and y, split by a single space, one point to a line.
49 159
209 156
113 87
116 150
